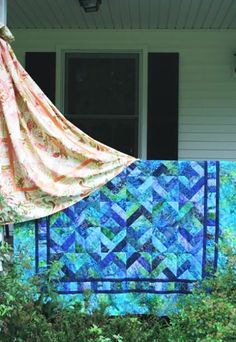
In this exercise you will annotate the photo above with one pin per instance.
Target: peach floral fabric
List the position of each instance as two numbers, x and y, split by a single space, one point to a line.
46 163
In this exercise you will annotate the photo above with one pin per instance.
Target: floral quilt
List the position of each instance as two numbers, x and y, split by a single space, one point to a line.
46 163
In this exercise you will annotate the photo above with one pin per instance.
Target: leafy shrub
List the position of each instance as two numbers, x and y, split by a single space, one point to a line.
31 311
209 314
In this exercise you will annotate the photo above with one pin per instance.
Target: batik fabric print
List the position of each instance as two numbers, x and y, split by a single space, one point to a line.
46 163
141 241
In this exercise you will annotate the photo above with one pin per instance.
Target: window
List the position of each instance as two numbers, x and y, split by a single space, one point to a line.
146 105
101 97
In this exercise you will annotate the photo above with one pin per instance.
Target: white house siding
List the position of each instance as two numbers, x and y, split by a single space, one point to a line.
207 97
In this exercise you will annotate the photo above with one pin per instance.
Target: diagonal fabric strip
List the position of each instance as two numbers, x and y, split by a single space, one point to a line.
46 163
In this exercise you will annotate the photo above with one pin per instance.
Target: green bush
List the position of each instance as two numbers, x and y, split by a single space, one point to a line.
31 311
209 314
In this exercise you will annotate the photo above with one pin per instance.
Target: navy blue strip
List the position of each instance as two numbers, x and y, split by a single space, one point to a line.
150 280
48 239
126 291
205 220
36 247
217 228
7 231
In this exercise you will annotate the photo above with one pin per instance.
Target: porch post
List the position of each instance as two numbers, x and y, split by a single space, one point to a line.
3 11
3 20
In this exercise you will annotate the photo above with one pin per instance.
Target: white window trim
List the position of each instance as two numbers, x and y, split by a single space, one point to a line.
98 48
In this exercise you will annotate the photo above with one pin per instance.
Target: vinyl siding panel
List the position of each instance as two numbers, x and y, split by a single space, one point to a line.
207 86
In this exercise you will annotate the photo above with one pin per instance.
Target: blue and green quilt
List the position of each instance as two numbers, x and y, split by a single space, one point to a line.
143 239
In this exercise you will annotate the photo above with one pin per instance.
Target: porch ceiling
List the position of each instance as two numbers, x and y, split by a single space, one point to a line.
123 14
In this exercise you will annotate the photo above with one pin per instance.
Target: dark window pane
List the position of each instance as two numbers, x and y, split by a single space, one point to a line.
101 84
120 134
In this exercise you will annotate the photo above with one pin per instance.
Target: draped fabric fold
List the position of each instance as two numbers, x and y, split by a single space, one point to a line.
46 163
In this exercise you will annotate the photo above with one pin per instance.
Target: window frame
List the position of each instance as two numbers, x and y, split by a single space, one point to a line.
105 117
99 48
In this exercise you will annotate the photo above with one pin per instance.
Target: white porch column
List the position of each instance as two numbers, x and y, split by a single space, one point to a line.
3 20
3 11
